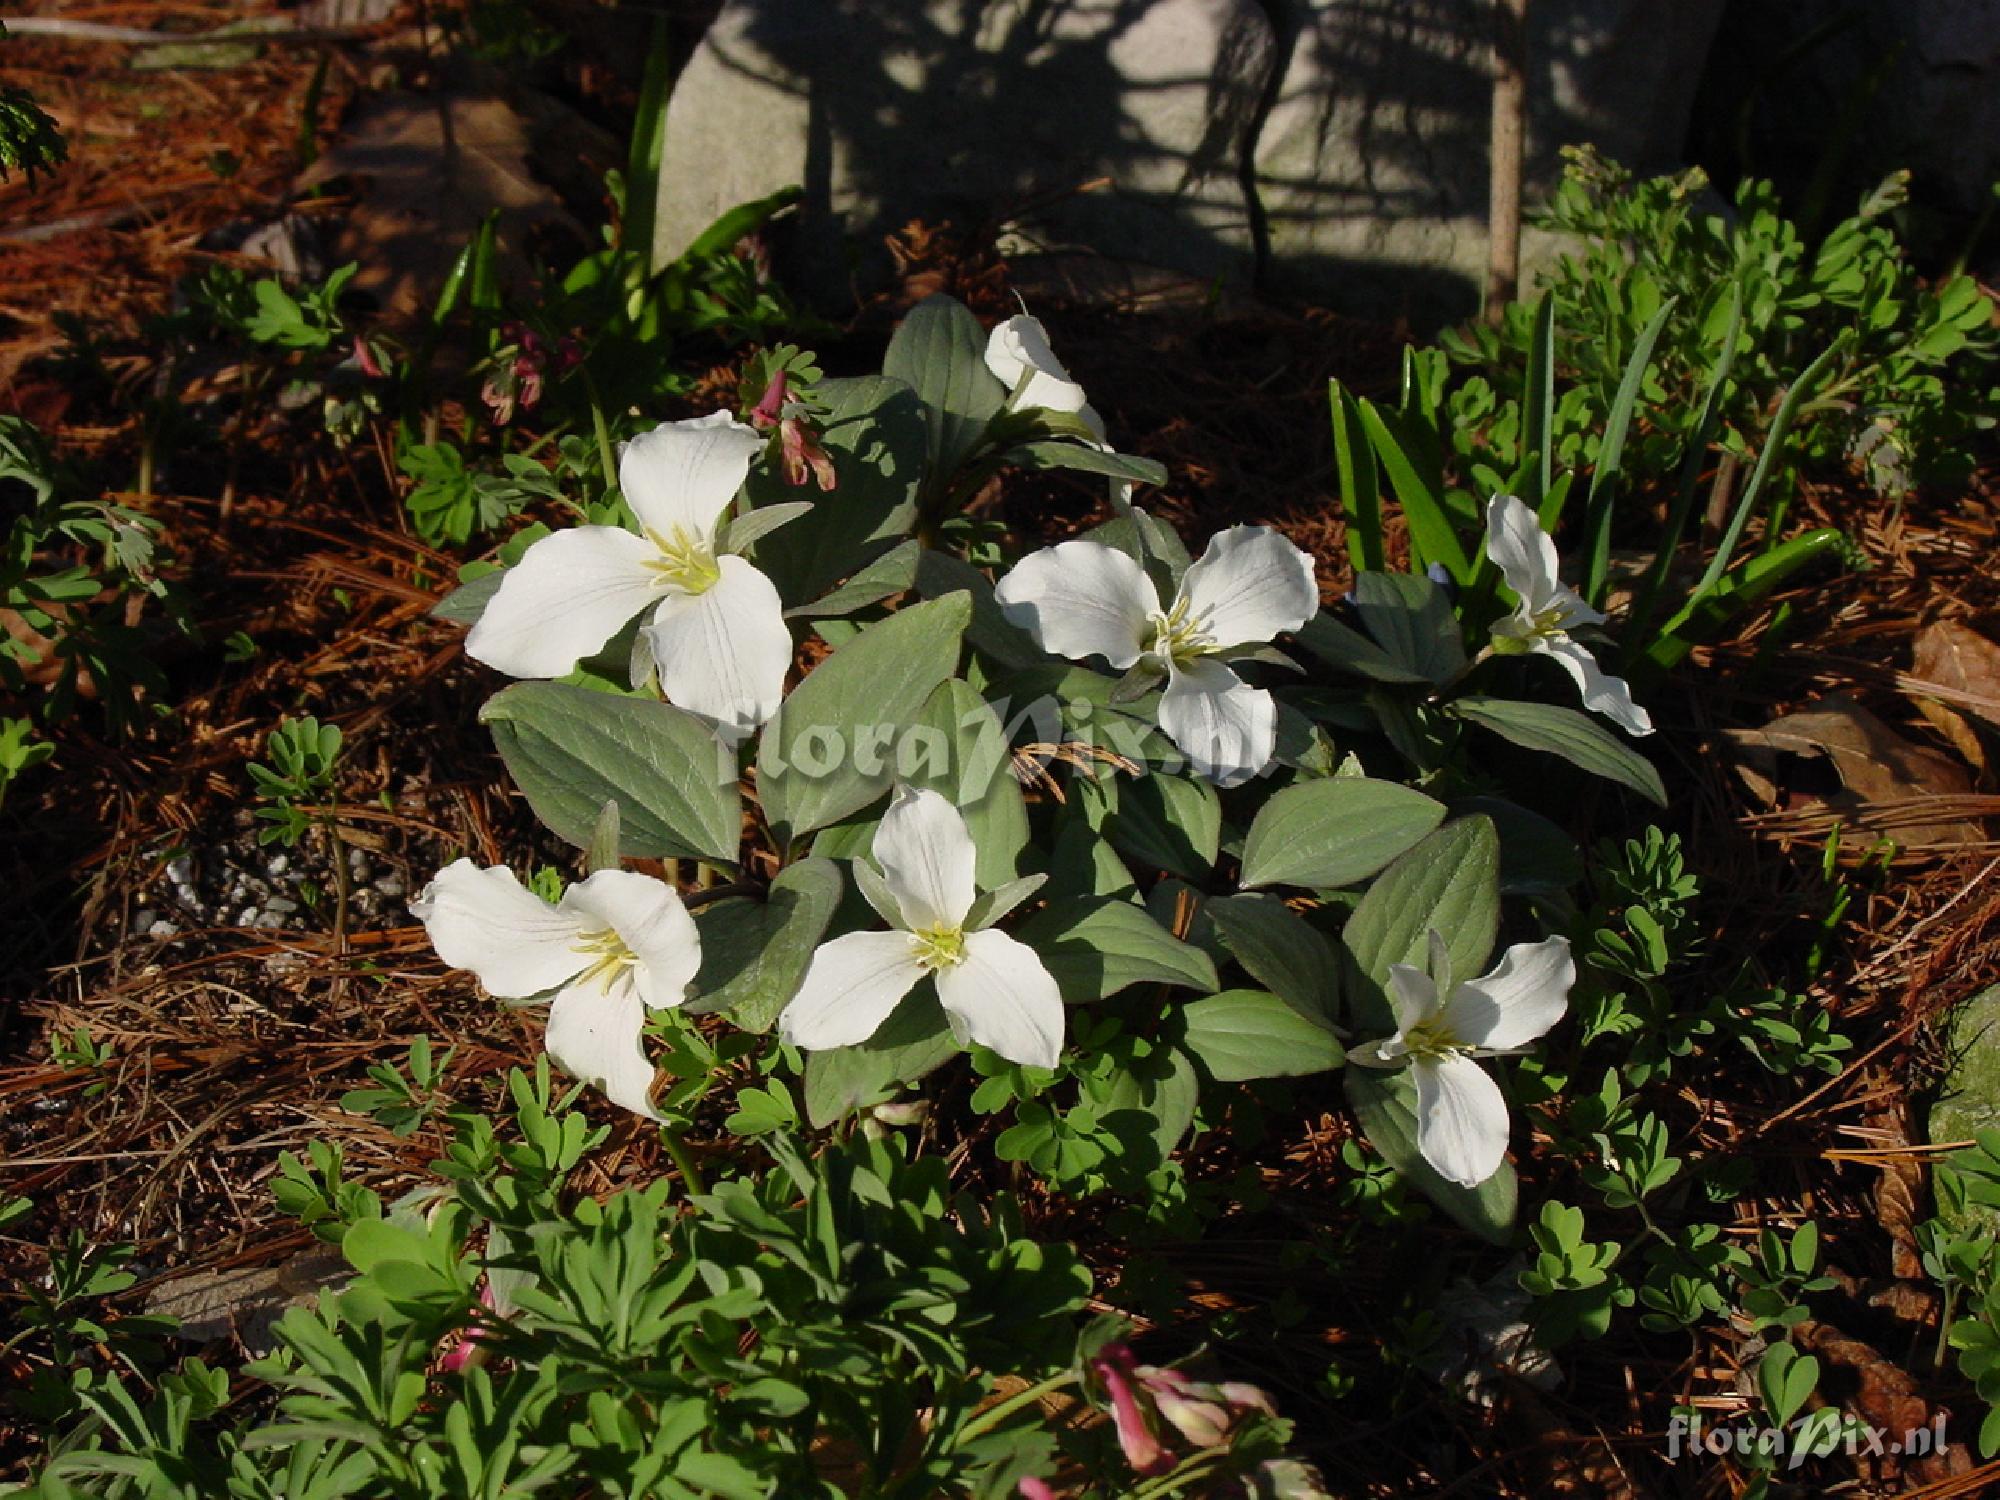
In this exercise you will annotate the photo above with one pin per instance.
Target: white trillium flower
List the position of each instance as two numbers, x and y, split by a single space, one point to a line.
1018 351
994 990
717 634
1082 599
1548 610
617 945
1441 1028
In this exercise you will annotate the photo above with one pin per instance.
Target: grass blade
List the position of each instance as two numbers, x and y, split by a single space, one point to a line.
1432 536
1774 441
649 141
1602 498
1691 464
1360 485
1538 399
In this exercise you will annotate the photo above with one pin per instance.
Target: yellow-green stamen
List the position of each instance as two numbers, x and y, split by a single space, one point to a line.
938 947
1178 635
686 562
1432 1040
608 956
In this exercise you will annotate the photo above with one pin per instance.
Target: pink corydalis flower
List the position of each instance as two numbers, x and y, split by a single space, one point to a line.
460 1354
1201 1413
804 456
1114 1366
517 381
1032 1488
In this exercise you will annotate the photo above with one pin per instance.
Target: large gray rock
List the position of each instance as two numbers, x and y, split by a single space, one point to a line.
1866 90
967 109
1372 168
1343 149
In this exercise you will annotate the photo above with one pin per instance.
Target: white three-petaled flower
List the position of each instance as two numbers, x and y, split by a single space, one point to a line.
1541 622
717 634
1441 1028
994 990
1084 599
1018 354
616 945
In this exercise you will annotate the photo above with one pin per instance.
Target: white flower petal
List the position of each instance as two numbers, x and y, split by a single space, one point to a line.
1525 554
1525 994
1602 693
681 476
568 595
649 919
1462 1122
1225 727
487 921
593 1034
1020 345
1413 995
723 653
1569 608
1082 599
1000 996
927 859
1250 585
850 987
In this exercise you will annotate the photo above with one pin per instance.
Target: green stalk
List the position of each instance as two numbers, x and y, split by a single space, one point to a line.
607 455
1647 602
994 1415
691 1179
1774 442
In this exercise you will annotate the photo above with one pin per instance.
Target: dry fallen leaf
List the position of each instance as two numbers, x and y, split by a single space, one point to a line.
244 1301
433 166
1957 658
1888 785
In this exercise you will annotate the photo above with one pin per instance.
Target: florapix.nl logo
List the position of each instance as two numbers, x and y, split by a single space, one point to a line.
1817 1434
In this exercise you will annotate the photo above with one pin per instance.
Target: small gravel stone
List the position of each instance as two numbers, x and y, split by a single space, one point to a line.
180 870
247 917
391 886
163 929
144 921
283 905
278 863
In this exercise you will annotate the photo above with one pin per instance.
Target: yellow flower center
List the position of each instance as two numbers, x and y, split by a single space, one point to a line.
1522 631
1432 1041
1178 636
607 956
938 947
686 562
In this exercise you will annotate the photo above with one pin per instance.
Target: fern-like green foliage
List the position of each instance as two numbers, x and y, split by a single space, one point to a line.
29 140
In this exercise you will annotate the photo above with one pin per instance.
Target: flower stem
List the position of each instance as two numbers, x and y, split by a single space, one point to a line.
606 455
1194 1467
691 1181
993 1416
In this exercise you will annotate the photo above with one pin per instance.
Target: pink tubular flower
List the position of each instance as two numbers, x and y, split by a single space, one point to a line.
460 1354
1201 1413
1032 1488
805 458
1114 1366
770 407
